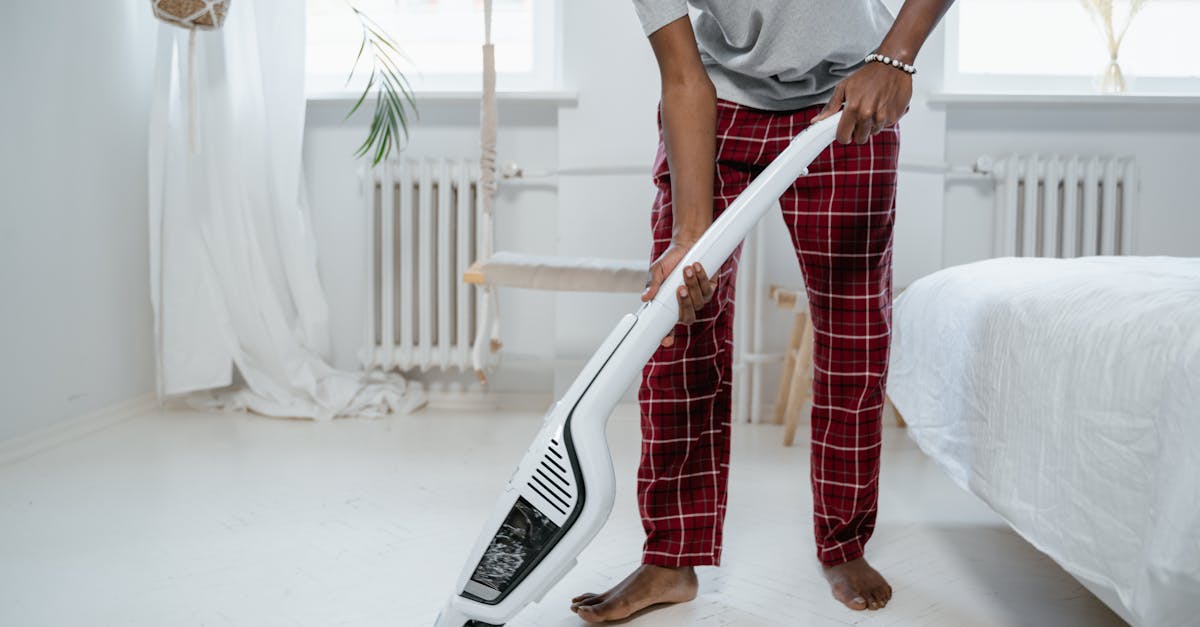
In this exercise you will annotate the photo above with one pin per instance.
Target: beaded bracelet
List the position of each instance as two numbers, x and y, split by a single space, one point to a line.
896 63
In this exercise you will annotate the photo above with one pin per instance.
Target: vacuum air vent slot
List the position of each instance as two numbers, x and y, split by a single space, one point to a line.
557 465
551 492
551 473
552 502
553 484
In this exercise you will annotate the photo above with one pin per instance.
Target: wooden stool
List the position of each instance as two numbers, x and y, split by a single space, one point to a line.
796 382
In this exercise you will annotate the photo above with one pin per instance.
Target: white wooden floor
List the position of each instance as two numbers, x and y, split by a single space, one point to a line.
180 519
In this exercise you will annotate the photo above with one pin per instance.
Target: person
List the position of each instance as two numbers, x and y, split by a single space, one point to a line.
739 80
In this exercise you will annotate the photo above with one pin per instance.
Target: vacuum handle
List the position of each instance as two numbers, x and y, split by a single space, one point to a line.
728 231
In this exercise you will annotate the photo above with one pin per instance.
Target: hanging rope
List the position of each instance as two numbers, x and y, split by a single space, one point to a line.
193 15
191 87
487 336
488 114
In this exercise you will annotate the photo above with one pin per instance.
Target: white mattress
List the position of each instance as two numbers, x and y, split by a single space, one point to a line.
1066 395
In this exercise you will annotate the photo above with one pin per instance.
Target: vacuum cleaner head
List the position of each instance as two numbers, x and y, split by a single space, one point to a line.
561 493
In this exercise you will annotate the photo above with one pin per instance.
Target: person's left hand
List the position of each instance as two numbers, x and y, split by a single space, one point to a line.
875 97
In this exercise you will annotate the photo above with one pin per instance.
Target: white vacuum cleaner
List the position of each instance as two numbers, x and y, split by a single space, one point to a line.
561 493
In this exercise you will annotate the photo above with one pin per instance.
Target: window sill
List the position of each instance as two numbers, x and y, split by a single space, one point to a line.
1093 101
562 98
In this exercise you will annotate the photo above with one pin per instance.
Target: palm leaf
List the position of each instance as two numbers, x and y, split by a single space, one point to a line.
394 100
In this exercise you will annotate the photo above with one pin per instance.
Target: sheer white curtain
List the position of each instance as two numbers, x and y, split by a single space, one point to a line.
233 259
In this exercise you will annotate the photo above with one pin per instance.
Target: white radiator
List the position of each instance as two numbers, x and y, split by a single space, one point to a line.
423 230
1065 206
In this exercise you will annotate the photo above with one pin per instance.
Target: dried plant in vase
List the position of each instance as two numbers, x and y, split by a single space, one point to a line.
1112 81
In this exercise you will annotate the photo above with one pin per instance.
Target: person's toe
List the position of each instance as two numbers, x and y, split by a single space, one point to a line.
587 613
588 601
885 595
599 612
851 599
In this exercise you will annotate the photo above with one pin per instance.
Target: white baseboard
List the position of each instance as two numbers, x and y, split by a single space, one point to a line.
23 446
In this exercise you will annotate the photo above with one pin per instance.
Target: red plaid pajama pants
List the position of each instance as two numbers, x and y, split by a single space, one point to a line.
840 219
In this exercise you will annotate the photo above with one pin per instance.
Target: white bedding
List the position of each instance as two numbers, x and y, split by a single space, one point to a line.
1066 395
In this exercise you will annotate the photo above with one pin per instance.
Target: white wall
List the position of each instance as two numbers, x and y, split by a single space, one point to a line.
75 326
607 61
1164 141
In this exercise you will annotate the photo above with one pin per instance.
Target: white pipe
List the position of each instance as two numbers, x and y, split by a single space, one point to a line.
740 412
1091 199
1129 206
409 241
743 372
1070 223
1109 234
463 248
762 358
1050 230
369 355
386 282
756 322
1006 221
446 277
512 170
1029 226
425 270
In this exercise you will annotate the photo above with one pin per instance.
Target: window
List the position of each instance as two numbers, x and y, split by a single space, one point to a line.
1054 46
440 40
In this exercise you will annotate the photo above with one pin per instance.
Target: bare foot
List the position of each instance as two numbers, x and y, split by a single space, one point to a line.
858 586
646 586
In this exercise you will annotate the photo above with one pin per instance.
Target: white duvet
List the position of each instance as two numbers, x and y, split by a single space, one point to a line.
1066 395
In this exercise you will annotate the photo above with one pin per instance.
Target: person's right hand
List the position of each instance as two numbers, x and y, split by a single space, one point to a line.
696 291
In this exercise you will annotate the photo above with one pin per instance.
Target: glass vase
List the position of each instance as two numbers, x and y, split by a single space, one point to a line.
1112 80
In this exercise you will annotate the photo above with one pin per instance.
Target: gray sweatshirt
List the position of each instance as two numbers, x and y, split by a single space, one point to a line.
776 54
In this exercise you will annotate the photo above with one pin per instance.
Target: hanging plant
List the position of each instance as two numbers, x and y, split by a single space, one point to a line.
191 14
392 92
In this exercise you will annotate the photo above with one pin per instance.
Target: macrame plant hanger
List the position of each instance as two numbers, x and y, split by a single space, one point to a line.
192 15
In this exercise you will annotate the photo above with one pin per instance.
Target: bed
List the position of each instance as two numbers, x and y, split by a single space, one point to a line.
1065 393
